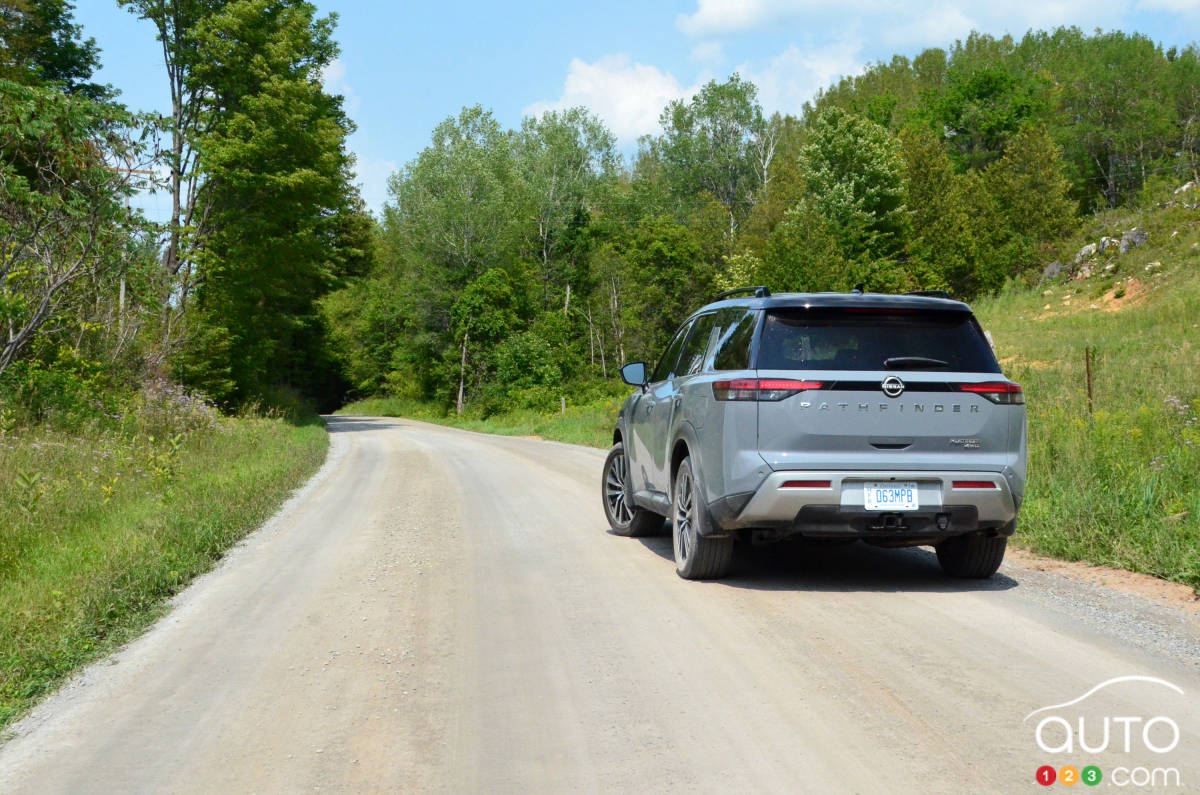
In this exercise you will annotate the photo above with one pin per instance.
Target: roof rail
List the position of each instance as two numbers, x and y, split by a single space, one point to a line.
930 293
759 292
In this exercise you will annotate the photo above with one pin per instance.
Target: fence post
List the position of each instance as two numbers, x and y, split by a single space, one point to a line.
1087 356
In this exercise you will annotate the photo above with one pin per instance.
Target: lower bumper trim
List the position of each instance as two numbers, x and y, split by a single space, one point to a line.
833 521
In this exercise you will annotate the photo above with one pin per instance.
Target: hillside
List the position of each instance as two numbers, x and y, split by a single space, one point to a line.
1118 484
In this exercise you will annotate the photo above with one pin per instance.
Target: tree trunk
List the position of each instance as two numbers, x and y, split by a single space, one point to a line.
603 364
591 337
121 309
614 310
462 371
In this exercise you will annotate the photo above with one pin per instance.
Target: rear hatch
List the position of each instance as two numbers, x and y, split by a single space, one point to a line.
871 388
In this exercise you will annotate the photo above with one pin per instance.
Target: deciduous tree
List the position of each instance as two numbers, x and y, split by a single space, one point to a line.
855 180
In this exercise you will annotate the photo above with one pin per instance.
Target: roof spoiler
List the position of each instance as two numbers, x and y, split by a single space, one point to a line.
930 293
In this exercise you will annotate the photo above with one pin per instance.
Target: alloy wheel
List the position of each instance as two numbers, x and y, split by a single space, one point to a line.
614 492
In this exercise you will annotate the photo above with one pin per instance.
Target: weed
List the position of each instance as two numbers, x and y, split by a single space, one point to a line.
29 492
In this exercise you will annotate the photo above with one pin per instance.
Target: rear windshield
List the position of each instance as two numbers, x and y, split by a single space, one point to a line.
874 340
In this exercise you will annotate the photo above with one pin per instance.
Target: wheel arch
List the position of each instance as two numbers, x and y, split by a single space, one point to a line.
679 452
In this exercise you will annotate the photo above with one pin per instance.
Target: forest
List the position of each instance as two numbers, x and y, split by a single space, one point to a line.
515 268
511 268
96 300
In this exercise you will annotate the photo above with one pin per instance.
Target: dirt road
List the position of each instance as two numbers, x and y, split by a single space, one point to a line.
445 611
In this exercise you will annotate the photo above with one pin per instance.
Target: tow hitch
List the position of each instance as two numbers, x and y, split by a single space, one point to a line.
890 521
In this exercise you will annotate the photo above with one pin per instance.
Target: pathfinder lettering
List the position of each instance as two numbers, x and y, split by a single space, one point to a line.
918 408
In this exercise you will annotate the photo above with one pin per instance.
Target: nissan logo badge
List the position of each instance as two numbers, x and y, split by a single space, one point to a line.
893 386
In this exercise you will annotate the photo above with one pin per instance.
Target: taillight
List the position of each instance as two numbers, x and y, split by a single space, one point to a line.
974 484
805 484
996 391
761 388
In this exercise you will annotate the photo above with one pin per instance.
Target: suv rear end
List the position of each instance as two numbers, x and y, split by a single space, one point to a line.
901 430
874 417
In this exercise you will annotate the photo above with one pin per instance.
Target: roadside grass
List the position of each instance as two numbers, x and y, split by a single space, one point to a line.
100 525
1119 484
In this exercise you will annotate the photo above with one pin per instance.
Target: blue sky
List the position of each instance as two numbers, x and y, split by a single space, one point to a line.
406 66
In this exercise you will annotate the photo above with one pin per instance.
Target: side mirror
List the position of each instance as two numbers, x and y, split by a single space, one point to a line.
634 373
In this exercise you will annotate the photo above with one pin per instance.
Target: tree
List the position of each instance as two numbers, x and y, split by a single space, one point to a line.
63 218
562 160
667 281
803 255
943 240
484 315
987 97
886 93
1031 189
783 186
1185 78
453 205
175 22
996 254
717 142
279 190
39 43
1116 115
855 181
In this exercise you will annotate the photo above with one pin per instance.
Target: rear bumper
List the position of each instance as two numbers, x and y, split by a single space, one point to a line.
839 509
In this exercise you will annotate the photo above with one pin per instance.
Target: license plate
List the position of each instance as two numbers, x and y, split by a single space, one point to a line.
890 496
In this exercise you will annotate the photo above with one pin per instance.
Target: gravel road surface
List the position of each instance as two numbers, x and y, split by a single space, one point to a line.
440 610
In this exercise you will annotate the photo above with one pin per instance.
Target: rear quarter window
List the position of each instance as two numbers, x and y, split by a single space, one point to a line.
734 330
866 339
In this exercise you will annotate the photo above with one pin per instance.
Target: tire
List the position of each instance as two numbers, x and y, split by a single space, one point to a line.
697 556
625 518
971 556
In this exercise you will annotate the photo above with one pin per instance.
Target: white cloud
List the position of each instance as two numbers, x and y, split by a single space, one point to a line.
730 16
794 76
628 96
708 52
333 77
911 21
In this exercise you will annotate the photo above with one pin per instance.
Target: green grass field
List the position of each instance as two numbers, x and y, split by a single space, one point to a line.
101 526
1118 484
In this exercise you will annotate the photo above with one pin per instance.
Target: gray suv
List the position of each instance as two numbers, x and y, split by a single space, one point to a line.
884 418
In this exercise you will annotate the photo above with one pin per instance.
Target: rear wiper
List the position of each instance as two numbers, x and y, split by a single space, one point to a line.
914 362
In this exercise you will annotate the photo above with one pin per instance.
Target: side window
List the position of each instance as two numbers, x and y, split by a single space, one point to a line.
666 365
734 329
692 360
